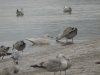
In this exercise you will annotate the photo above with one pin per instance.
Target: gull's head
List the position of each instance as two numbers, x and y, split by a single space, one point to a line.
60 56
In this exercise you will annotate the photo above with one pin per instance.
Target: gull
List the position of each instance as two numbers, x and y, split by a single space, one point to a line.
19 12
68 33
15 56
19 45
67 9
3 51
65 62
61 63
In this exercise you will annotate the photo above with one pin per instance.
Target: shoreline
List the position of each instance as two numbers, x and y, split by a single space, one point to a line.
83 56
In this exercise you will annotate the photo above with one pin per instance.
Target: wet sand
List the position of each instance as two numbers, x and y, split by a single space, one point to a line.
83 57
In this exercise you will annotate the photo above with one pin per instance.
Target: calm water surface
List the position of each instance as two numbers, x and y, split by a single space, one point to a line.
46 17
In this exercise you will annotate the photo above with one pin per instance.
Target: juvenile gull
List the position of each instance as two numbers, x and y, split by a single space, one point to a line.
68 33
19 45
3 51
54 65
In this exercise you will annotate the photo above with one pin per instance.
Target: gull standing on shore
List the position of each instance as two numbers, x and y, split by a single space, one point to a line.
19 45
61 63
67 64
68 33
3 51
15 56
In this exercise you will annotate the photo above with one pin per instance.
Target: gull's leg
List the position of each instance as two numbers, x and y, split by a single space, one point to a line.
60 69
60 72
65 72
72 40
16 61
54 73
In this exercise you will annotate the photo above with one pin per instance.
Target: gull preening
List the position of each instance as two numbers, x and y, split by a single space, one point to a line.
68 33
3 51
19 45
60 63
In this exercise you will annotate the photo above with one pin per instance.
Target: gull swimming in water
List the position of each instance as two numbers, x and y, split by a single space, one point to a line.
67 9
68 33
19 45
61 63
19 12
